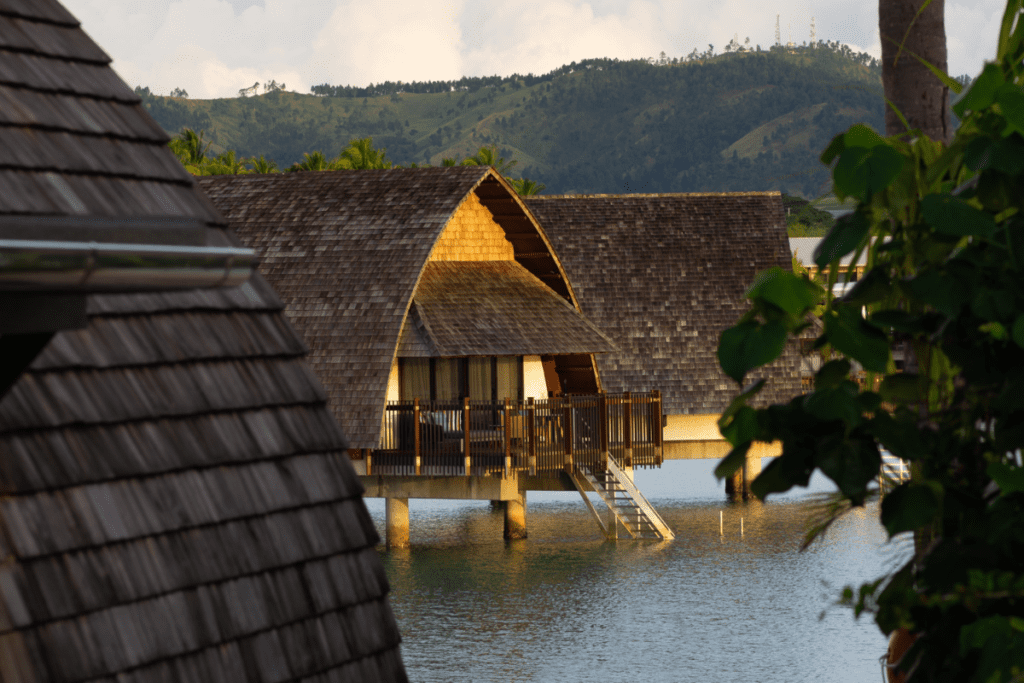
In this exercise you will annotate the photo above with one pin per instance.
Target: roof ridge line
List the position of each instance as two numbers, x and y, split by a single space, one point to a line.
640 195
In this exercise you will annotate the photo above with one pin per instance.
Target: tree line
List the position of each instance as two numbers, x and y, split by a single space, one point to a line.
192 150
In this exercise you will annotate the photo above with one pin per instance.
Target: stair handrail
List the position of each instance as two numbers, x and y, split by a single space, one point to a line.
638 498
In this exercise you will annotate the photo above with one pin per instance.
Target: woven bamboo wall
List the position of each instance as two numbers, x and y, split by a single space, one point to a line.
472 235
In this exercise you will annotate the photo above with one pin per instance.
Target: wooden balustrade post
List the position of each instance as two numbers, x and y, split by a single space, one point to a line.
508 438
567 431
657 432
531 434
416 434
602 428
465 436
627 429
369 462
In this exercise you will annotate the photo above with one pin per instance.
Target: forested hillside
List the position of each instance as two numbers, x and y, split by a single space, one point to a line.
748 120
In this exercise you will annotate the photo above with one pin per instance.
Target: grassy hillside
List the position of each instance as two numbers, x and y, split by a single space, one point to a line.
739 121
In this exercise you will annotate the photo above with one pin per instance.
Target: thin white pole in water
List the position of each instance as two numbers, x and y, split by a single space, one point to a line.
721 529
741 526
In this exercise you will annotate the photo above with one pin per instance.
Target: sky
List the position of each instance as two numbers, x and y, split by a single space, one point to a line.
213 48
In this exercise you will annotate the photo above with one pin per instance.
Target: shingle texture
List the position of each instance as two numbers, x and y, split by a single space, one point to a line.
485 308
176 503
346 250
74 139
663 276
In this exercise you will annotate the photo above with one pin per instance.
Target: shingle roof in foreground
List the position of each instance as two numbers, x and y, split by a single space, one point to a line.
663 276
175 499
347 249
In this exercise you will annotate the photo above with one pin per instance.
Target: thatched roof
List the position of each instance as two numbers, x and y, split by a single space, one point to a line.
663 275
176 502
347 251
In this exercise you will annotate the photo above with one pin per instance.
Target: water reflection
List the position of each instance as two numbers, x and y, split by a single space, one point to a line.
565 605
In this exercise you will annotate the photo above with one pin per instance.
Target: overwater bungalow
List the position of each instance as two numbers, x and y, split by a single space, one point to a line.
177 501
663 275
449 339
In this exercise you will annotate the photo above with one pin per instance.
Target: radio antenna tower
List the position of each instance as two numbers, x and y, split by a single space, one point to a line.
778 35
812 31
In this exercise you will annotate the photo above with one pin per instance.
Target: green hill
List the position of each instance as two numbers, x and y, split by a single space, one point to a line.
737 121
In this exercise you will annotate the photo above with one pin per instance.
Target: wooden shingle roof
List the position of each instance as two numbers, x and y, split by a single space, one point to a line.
487 308
176 503
74 139
346 249
663 275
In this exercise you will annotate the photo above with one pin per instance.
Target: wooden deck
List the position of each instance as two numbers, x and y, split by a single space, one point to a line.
533 438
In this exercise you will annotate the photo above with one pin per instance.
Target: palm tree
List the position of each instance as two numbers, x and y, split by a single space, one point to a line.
315 161
488 156
226 164
189 148
261 165
525 186
908 38
361 155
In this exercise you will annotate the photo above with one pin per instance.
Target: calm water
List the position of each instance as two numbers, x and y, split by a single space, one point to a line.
567 606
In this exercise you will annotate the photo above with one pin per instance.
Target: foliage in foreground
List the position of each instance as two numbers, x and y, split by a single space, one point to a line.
943 229
359 155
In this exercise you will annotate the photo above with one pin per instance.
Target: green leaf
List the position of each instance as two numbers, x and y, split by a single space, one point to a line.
1018 331
900 438
1003 154
901 321
903 388
860 135
908 507
786 290
862 171
736 459
750 345
1011 101
852 466
851 335
873 287
947 294
982 93
835 403
741 427
975 635
832 374
952 216
845 236
834 149
1009 479
747 393
776 477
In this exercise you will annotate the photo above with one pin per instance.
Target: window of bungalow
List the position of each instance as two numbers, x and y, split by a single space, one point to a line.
452 379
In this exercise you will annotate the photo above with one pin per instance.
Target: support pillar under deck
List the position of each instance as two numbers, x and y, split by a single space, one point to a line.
397 524
751 468
515 517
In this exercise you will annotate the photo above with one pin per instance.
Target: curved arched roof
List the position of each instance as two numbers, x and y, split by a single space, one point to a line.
346 250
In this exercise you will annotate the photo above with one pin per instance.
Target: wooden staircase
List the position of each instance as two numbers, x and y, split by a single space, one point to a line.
630 509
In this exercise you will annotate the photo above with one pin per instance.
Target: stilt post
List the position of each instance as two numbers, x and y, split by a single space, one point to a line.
508 438
465 435
397 522
515 518
416 433
531 421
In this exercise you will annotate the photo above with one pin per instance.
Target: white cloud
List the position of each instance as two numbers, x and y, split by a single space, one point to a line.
214 47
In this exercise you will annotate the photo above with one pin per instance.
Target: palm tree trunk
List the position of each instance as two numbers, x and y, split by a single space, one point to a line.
909 85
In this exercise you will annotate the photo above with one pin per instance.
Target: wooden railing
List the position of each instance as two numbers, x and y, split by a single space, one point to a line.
534 437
